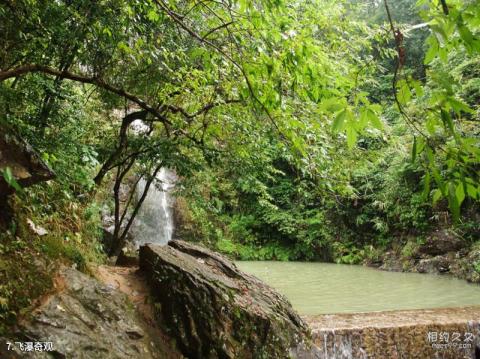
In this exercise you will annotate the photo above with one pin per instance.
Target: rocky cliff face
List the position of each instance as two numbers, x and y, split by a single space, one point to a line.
84 319
214 310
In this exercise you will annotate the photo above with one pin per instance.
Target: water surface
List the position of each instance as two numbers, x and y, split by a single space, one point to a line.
317 288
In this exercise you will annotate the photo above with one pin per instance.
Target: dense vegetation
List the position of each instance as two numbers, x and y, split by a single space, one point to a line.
408 174
317 129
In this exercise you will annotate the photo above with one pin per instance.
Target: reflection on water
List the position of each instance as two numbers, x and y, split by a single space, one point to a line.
317 288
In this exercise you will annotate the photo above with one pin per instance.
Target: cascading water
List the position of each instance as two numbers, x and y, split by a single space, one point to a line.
154 221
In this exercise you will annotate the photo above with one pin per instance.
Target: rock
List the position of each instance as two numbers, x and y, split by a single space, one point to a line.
435 265
213 310
391 262
441 242
38 230
128 256
26 165
399 334
135 333
466 266
86 319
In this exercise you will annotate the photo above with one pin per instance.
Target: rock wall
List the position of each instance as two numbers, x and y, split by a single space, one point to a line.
214 310
26 166
84 319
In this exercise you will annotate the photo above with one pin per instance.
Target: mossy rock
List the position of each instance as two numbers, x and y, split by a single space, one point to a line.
214 310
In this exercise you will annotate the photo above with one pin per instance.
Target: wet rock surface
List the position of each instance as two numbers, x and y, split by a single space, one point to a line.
214 310
85 319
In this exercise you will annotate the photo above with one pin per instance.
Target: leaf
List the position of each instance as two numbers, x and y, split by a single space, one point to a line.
436 195
459 106
460 193
124 47
10 179
418 88
374 119
453 201
426 186
447 121
3 302
471 191
332 104
466 36
339 122
404 93
152 15
432 50
417 147
436 174
351 137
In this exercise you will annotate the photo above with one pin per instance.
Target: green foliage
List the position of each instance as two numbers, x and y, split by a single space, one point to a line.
22 278
28 261
56 248
477 267
410 249
9 179
280 120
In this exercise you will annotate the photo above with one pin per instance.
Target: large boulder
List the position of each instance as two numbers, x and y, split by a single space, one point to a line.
213 310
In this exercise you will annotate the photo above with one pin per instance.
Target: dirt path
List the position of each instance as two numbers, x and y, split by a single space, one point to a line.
130 281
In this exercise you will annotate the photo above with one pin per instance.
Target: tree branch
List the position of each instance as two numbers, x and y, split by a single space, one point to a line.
216 29
201 39
204 109
29 68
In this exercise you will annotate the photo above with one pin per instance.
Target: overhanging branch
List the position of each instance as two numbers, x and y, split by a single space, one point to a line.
30 68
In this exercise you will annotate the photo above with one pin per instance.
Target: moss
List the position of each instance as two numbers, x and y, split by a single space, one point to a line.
56 248
24 277
410 249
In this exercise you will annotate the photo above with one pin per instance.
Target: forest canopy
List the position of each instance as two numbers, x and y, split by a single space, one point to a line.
307 127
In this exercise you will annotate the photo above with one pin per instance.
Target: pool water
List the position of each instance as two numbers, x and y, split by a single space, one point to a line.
320 288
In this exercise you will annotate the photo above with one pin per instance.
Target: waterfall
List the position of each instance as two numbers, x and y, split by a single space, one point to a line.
154 221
